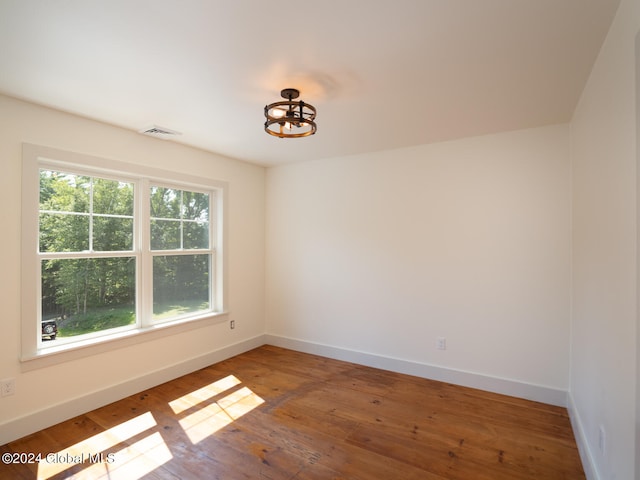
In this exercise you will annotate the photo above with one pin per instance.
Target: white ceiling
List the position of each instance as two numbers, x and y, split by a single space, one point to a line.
383 74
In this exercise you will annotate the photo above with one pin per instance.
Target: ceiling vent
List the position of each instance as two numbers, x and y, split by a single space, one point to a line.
159 132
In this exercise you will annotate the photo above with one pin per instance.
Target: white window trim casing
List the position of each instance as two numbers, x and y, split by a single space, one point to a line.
33 354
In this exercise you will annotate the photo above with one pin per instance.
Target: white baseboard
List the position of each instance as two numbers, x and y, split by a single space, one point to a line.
52 415
579 433
28 424
513 388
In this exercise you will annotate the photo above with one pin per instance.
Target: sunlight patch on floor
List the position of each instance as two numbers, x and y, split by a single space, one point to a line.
209 419
131 462
203 394
201 413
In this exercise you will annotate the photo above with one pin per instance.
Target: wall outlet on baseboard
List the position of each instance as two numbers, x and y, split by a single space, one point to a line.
7 387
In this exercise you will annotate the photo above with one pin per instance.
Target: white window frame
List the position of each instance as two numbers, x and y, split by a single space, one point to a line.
36 353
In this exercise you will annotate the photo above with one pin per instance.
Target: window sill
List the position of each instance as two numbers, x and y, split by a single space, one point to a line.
46 357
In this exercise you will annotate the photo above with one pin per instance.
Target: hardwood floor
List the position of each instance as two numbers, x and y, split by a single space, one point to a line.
273 413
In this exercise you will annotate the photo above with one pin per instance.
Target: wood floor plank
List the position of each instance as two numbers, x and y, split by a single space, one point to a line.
320 447
273 413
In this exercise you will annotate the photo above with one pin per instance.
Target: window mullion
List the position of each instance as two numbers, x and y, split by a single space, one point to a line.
181 219
91 214
145 274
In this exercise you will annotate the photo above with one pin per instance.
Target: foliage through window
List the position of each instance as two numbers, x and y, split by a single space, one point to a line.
179 226
120 252
86 286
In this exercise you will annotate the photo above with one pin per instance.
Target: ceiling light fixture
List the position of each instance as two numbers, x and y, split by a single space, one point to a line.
289 118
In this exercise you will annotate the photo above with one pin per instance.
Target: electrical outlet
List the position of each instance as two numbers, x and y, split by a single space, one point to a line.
441 343
232 324
602 439
8 387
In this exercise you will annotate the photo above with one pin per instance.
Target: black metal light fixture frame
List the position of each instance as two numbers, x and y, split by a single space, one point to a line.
289 118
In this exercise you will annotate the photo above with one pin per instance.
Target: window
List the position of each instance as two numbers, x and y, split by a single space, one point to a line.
86 252
180 238
117 250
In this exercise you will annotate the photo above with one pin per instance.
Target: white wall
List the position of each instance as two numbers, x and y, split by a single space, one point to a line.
604 341
64 384
470 240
